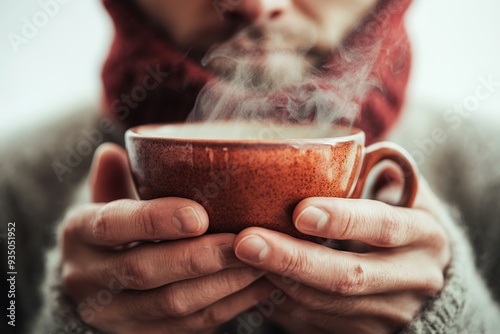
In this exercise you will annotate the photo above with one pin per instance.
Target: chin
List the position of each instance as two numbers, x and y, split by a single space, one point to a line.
264 72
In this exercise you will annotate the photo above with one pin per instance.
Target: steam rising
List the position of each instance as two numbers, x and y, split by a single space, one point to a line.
264 74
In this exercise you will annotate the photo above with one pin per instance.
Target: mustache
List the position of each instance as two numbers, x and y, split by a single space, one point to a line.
261 41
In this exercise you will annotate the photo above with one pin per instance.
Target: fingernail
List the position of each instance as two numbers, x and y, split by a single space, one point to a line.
186 220
252 248
312 219
227 255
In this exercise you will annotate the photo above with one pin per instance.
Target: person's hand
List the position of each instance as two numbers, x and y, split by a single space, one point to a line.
336 291
135 267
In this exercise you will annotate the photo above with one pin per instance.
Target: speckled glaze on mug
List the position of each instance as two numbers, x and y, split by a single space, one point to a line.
254 174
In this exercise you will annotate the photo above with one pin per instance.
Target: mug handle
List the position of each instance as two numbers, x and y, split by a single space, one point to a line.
381 151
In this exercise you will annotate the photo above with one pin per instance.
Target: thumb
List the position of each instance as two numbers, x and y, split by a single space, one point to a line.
110 177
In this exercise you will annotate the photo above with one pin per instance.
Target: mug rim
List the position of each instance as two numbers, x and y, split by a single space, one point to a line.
355 134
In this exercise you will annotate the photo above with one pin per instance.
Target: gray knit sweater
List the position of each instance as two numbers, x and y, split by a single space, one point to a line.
40 178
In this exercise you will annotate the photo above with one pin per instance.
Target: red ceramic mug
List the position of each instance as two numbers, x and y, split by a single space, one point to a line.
254 174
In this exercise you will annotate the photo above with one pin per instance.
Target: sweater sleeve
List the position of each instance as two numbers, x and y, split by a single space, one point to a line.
58 314
39 175
465 304
462 165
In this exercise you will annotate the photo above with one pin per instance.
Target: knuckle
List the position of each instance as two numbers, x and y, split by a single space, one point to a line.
438 240
137 272
70 280
69 219
293 262
239 278
66 236
434 282
198 265
143 216
69 227
236 279
398 317
352 281
174 305
213 317
100 225
346 224
405 317
205 259
392 232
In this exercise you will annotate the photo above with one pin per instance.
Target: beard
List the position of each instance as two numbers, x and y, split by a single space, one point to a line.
265 59
264 73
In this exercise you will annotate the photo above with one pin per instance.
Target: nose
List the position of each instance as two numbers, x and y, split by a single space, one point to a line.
260 10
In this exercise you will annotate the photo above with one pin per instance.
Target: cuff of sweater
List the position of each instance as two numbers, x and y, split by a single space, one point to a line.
58 315
460 307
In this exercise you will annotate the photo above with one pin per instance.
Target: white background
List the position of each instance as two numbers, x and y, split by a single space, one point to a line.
454 42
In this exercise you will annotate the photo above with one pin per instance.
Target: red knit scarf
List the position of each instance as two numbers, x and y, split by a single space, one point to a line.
147 80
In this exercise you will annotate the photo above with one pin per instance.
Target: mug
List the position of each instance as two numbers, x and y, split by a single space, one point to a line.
254 174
